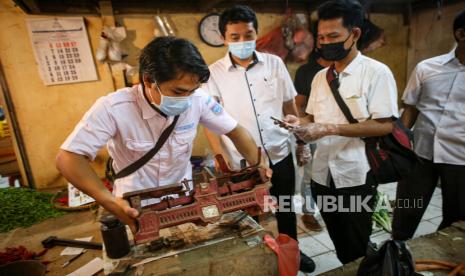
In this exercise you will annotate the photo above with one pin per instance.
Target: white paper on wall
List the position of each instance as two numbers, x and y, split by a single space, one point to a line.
61 49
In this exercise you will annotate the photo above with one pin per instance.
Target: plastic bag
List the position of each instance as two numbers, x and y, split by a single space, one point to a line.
273 43
287 250
109 45
392 259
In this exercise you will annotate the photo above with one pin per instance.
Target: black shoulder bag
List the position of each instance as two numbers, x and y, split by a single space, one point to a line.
391 157
112 176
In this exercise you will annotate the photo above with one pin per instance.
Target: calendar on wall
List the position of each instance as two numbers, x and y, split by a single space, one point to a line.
62 50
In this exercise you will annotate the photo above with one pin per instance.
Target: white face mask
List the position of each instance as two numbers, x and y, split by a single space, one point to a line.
171 106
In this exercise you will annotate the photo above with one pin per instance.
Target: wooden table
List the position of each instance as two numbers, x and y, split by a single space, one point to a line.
209 250
231 256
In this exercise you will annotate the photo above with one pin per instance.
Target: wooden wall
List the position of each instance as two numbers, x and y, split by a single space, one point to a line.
431 36
47 114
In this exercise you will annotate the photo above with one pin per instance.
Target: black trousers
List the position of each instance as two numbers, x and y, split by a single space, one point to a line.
414 194
283 181
349 230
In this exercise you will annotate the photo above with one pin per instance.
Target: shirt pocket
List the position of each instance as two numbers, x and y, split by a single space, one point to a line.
182 140
271 82
173 161
435 90
139 145
357 104
268 88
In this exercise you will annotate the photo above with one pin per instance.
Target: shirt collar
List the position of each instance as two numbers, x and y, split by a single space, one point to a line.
148 110
230 64
350 69
449 57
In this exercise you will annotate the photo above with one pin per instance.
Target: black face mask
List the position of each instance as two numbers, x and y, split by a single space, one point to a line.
334 51
316 53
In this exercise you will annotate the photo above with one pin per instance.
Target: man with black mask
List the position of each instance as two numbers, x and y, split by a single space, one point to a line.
341 182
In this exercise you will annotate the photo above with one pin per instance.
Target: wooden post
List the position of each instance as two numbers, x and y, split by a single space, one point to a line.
108 19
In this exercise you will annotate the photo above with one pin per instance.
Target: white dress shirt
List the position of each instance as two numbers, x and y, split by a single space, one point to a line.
130 127
369 90
251 95
437 89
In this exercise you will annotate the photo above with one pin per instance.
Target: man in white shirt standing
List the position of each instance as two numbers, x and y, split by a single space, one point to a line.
435 105
340 172
252 87
131 120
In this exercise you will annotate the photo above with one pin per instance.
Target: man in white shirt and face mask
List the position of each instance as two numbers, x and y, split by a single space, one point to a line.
341 174
252 86
131 121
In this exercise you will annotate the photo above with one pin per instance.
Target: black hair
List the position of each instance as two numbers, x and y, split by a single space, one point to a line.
350 11
370 33
459 22
314 31
315 54
165 58
236 14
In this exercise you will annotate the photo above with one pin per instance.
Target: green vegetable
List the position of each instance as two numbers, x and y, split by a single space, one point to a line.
23 207
381 212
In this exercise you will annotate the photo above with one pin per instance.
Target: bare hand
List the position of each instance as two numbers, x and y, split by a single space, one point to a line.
290 122
128 215
268 172
291 119
264 165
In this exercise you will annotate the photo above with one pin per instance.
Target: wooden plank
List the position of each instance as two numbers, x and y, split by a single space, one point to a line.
108 19
106 12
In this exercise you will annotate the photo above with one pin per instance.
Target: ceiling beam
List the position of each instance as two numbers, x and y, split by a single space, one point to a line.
203 6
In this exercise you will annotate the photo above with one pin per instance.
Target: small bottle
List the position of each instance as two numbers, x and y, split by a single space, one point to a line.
114 237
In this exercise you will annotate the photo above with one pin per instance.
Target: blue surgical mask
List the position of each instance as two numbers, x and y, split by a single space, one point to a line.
172 106
243 49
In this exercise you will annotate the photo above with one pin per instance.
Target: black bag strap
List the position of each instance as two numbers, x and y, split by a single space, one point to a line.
333 82
149 155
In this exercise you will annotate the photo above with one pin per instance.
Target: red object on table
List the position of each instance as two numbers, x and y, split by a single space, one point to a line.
20 253
215 195
287 250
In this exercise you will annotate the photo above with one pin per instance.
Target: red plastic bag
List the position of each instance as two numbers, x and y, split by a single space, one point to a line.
273 43
287 250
